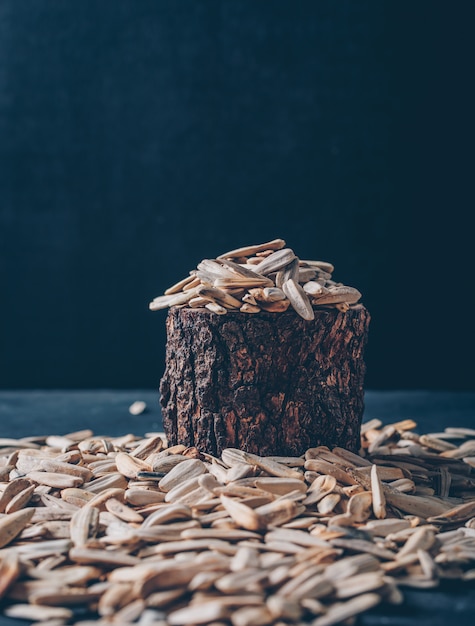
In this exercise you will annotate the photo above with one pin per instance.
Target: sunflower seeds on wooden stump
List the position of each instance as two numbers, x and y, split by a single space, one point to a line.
257 346
215 283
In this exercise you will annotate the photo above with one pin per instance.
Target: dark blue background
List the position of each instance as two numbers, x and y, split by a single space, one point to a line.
139 136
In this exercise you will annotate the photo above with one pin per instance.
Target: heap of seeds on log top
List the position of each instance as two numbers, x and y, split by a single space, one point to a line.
264 277
127 531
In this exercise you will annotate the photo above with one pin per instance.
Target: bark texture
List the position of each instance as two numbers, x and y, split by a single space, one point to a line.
270 383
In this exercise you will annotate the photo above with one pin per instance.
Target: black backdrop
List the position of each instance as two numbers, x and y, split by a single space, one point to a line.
139 136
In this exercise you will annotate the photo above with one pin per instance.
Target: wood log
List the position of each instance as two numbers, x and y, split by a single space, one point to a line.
268 383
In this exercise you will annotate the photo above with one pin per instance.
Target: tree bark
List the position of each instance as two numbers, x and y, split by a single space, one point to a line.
268 383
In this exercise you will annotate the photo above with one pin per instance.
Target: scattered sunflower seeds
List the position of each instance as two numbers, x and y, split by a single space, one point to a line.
130 530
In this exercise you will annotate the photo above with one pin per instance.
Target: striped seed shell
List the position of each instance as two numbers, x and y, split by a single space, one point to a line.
275 261
12 525
275 244
298 299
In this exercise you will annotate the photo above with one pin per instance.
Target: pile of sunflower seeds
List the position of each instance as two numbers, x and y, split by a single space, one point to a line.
264 277
101 530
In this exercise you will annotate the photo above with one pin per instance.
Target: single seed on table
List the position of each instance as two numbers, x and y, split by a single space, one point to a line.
137 407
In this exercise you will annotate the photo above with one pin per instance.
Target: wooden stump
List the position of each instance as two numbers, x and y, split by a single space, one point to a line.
269 383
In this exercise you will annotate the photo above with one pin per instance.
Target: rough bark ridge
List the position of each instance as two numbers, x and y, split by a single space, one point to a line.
270 383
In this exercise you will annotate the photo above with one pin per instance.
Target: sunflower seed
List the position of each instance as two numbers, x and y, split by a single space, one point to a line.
84 524
275 244
298 299
57 481
379 499
340 612
12 525
10 570
335 295
37 613
275 307
162 302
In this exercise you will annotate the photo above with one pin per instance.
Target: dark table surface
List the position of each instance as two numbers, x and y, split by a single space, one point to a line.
35 413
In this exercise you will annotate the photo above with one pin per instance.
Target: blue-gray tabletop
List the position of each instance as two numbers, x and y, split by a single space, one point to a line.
36 413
